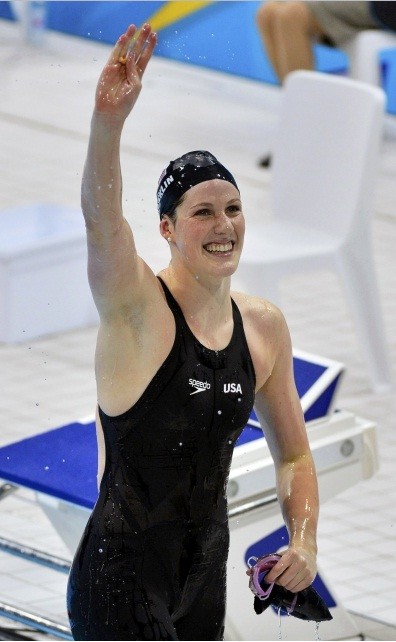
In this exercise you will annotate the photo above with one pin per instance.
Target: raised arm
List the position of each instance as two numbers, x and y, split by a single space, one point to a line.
279 410
115 272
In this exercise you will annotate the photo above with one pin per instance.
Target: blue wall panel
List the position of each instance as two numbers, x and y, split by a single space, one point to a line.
221 36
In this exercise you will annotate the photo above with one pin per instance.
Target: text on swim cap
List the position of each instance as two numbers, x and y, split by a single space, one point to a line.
162 189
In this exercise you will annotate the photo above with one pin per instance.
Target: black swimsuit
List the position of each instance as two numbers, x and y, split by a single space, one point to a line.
151 564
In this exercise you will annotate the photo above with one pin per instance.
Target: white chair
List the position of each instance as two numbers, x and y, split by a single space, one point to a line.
363 53
324 171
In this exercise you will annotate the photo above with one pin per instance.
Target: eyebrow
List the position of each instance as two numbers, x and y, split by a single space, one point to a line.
233 200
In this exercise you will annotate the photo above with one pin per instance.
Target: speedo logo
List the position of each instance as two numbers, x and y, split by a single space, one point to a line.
200 386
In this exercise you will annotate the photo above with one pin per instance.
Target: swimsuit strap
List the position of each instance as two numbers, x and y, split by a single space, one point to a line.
238 335
173 304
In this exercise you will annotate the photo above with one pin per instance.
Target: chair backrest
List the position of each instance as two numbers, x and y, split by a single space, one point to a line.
326 152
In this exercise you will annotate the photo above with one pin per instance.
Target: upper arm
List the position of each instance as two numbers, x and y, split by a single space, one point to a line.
277 402
118 277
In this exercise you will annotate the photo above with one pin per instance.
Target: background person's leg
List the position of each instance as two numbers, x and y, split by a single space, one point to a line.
287 30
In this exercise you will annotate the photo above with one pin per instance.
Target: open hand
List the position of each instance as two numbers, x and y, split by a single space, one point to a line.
120 81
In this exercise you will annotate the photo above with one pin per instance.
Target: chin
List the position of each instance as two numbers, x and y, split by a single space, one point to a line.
226 270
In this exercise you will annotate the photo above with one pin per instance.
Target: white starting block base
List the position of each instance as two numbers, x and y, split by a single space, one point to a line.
43 272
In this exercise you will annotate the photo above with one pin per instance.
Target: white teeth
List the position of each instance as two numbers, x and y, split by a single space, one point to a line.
219 247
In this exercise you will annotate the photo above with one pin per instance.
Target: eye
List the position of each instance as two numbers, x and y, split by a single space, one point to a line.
233 210
204 212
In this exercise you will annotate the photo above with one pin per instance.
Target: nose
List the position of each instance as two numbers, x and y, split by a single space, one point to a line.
222 223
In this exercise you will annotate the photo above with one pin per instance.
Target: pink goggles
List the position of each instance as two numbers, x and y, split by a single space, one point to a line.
257 584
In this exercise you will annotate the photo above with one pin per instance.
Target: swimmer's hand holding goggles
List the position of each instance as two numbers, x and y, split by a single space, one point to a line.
306 604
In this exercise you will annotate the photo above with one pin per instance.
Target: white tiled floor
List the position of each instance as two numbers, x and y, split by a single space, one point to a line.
44 119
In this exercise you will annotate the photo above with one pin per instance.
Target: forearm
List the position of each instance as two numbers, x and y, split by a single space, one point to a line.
101 189
116 93
298 496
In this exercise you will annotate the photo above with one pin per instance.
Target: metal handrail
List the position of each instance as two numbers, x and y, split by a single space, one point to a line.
37 622
252 505
34 555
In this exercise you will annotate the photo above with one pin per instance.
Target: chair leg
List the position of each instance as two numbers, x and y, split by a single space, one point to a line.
359 280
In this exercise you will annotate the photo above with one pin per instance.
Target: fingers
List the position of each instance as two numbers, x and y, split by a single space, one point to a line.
134 47
138 45
291 571
120 49
299 583
295 578
146 54
141 48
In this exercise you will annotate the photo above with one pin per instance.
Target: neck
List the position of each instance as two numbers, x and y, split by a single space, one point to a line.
206 307
205 303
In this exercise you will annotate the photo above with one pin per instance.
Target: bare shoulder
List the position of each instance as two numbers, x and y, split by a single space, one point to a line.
266 332
260 313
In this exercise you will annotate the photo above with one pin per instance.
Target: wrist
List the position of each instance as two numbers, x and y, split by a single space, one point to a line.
107 120
307 544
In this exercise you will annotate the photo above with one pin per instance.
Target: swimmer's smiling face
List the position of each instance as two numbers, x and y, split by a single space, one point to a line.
208 230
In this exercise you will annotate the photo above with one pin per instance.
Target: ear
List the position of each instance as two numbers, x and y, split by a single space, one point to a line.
166 228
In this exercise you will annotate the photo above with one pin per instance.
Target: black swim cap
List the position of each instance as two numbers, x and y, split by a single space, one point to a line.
185 172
